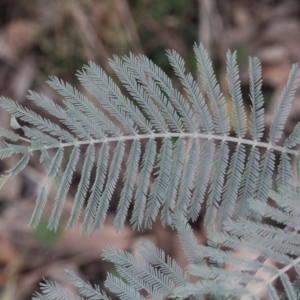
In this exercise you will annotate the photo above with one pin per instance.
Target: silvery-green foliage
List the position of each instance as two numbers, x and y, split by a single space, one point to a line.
157 275
188 135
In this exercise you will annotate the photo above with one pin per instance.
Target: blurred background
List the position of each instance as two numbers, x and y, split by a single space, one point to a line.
39 38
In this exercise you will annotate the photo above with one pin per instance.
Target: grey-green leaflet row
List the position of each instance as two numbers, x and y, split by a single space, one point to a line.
186 136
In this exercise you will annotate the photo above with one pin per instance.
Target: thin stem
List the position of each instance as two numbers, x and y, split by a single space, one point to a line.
223 138
24 139
261 259
274 277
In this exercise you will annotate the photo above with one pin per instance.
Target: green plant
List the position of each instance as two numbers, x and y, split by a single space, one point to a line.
239 184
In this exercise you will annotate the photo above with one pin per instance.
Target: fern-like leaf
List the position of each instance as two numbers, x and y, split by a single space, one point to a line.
91 208
83 185
63 189
167 119
188 178
143 182
123 290
129 181
215 192
239 116
110 186
213 90
86 289
170 196
282 111
160 185
156 112
256 97
202 179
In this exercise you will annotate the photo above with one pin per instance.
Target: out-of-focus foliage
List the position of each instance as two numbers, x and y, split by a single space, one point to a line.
39 38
